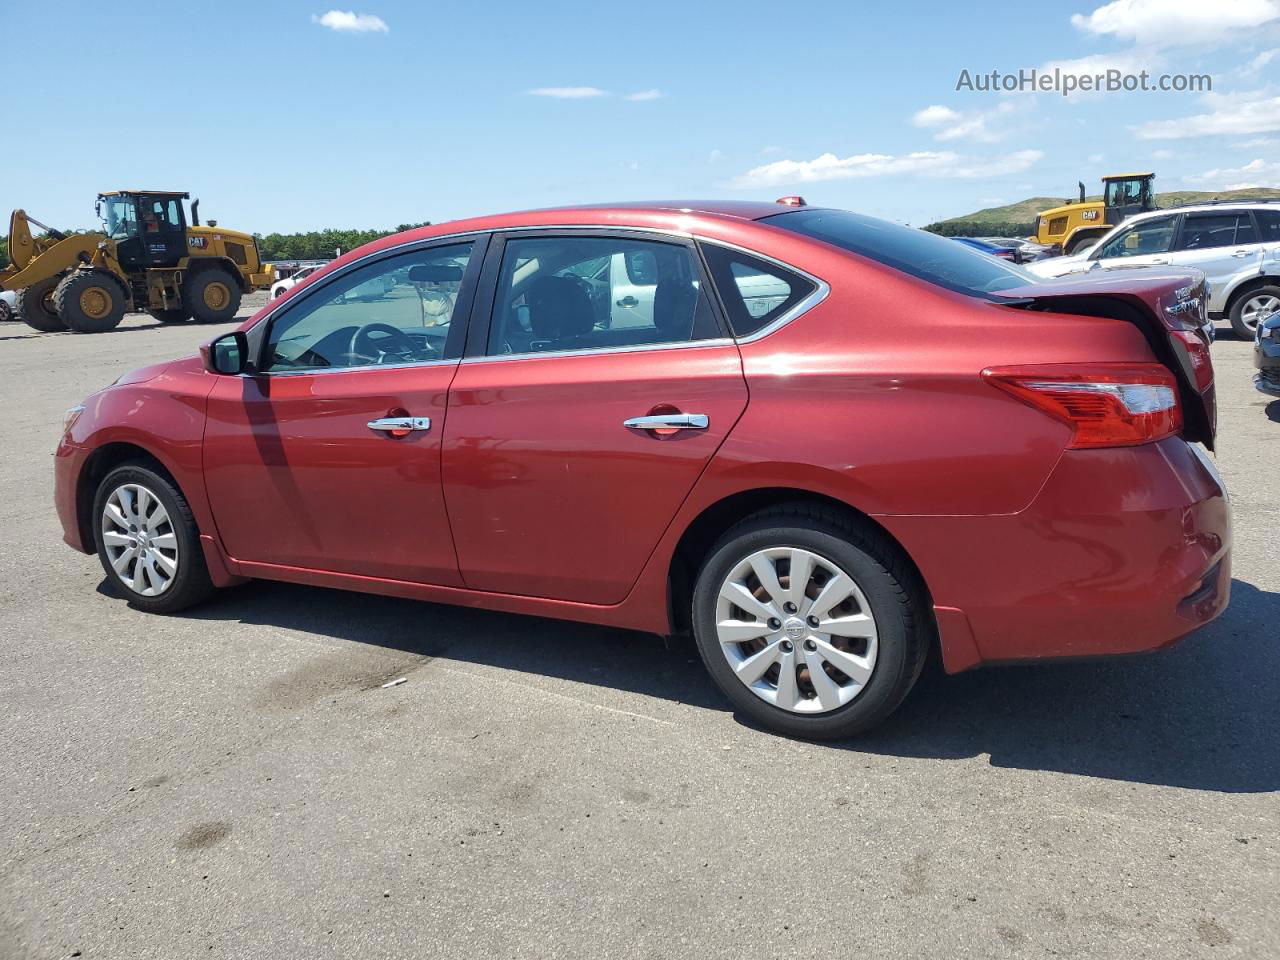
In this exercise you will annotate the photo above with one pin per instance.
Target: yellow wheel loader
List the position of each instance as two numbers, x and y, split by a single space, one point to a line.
147 257
1073 224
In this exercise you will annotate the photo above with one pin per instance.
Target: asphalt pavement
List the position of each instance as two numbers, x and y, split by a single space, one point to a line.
235 782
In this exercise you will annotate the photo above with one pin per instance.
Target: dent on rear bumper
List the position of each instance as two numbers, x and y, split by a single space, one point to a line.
1123 550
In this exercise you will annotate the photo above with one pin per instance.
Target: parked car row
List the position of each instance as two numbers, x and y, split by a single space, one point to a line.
823 443
1008 248
1236 245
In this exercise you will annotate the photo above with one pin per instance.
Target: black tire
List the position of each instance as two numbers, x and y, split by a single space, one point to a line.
211 295
35 306
90 301
170 316
1077 242
893 591
190 583
1236 316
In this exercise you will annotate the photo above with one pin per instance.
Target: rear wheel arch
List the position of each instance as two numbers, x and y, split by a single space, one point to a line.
703 532
1247 287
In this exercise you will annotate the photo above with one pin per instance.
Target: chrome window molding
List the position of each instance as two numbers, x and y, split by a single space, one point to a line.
313 371
819 293
602 351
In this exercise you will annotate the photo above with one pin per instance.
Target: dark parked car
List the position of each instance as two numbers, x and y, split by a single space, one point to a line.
823 443
1266 355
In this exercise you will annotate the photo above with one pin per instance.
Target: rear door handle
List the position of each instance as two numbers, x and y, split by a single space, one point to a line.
628 301
400 424
1160 260
670 421
1241 253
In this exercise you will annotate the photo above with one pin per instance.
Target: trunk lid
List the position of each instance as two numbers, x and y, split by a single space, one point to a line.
1171 309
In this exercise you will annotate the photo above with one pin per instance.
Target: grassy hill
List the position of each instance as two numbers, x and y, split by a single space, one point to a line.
1018 219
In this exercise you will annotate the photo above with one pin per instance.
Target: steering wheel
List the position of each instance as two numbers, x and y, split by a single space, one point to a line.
373 341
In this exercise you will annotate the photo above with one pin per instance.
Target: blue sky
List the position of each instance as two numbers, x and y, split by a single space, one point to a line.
291 115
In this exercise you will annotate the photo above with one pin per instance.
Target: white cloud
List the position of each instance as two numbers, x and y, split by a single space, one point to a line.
1229 115
1255 173
828 166
1095 158
351 22
770 151
568 93
1162 154
1125 61
715 156
1169 23
651 94
953 125
1258 143
1258 62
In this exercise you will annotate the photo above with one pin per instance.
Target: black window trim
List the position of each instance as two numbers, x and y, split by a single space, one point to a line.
459 323
484 327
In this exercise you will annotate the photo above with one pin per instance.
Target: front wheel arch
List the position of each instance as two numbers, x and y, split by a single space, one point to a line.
101 462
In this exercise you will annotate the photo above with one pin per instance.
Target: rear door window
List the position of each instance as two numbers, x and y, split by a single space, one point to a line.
1201 231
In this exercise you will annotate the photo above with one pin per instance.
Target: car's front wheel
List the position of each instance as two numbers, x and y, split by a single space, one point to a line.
148 542
811 623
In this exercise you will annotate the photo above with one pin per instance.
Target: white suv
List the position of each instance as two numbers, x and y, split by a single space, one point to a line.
1236 244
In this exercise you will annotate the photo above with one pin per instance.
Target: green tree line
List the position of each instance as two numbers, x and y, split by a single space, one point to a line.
320 244
982 228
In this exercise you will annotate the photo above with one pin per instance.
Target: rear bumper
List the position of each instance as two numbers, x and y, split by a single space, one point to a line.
1122 551
1266 357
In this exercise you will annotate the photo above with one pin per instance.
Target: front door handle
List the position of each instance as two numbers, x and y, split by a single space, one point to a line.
1241 253
400 425
669 421
627 301
1160 260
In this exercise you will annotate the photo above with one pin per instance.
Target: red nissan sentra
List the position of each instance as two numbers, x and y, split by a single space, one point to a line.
822 442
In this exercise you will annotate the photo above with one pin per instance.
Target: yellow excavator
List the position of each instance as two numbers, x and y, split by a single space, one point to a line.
147 257
1069 226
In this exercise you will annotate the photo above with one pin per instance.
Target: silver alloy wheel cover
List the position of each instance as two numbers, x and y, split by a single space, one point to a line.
1258 308
139 539
756 588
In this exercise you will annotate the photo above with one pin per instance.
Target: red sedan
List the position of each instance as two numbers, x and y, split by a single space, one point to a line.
823 443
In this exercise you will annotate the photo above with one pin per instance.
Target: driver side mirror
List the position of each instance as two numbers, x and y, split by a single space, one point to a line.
227 355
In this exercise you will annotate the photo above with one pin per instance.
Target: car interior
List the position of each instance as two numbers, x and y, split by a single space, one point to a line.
559 293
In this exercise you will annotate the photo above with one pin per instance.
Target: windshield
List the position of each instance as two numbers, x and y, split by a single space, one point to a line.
938 260
120 216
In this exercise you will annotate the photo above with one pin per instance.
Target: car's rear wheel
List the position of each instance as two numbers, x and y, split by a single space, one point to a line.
810 623
148 542
1252 308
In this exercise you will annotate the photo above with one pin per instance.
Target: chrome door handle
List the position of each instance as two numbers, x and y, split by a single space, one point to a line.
394 424
1241 253
670 421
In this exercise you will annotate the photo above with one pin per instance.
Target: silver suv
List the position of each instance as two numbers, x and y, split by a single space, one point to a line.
1236 244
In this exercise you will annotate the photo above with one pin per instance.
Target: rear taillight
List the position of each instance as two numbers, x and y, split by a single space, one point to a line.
1105 404
1194 354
